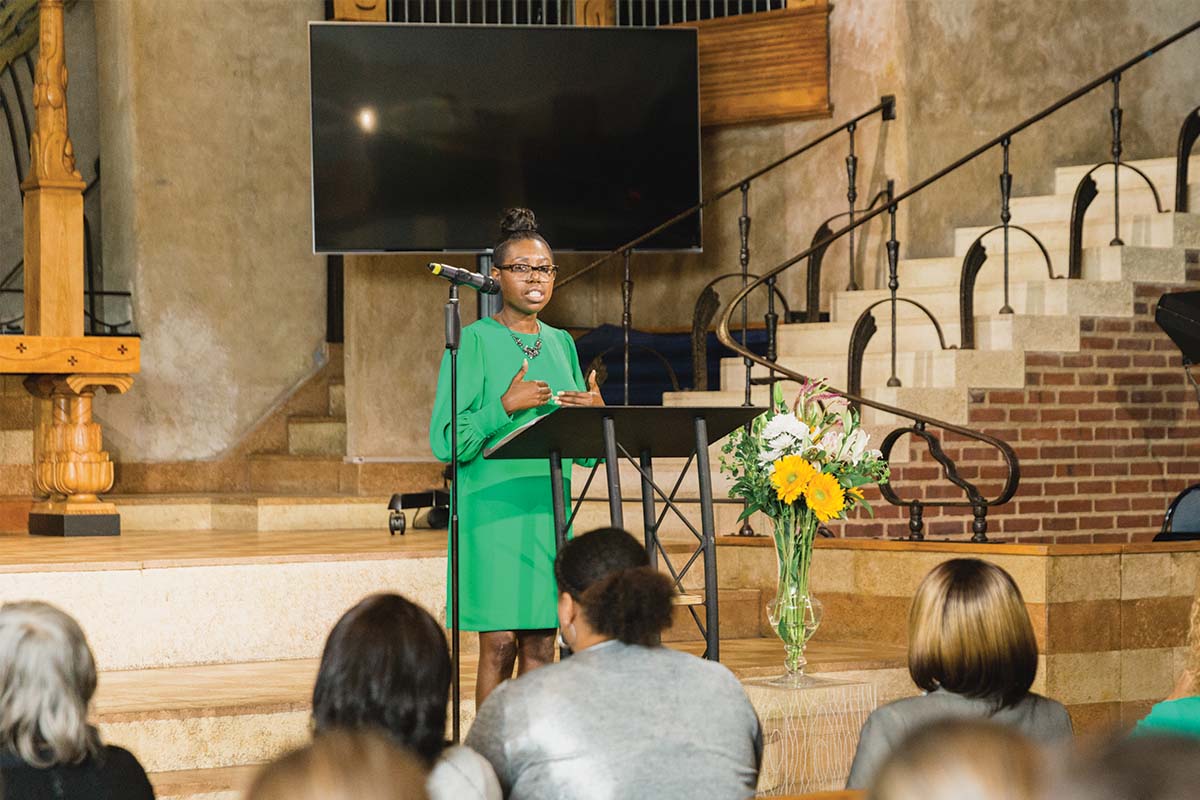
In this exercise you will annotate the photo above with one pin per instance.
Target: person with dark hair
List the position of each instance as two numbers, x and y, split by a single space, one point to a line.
386 667
972 650
512 369
48 750
623 716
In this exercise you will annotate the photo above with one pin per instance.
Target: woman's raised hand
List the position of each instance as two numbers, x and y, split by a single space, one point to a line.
589 398
523 394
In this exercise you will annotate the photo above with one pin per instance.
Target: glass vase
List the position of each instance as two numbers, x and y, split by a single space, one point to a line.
794 613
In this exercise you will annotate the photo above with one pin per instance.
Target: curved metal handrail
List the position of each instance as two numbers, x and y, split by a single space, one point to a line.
922 420
812 311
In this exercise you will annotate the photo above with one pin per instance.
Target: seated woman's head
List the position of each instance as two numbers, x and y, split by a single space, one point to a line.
386 666
962 760
47 679
969 633
342 765
608 590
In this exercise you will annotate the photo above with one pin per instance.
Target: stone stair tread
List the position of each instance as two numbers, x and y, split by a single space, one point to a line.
192 782
239 498
316 419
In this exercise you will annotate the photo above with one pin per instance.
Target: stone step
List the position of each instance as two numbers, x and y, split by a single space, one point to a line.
1132 263
928 368
330 475
1136 198
337 399
230 717
240 512
16 446
316 436
1044 298
1145 230
222 715
1159 170
206 597
992 332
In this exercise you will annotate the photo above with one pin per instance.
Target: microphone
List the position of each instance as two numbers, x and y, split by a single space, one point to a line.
464 277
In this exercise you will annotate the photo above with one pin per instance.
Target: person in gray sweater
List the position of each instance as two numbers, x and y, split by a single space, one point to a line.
622 716
972 650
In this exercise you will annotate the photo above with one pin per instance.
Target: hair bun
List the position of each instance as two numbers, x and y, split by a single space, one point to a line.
517 220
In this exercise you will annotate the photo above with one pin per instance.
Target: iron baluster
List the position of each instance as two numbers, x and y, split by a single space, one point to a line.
1116 154
772 321
744 259
1005 217
893 256
916 522
626 317
851 197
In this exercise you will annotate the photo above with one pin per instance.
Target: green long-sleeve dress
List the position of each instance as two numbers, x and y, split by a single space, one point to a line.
506 521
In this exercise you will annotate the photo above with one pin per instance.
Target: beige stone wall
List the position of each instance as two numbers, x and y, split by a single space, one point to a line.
204 141
976 68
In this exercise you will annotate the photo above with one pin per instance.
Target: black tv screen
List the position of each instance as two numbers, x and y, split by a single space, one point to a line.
423 134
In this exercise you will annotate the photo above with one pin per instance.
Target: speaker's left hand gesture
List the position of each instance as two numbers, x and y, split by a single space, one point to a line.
589 398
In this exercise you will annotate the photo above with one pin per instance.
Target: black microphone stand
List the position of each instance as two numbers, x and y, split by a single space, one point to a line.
453 320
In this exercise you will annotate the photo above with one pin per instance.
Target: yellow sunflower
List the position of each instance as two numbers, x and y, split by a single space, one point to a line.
790 475
824 496
854 491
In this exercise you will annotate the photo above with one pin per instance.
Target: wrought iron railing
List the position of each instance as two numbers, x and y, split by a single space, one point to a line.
653 13
974 498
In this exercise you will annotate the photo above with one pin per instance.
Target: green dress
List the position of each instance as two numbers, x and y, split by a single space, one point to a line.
506 522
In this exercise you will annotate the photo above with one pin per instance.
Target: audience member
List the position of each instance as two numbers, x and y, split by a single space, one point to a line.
47 680
622 716
386 666
1158 767
342 765
962 759
971 649
1179 714
47 748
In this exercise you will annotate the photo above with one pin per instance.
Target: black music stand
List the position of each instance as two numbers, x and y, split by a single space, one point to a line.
639 434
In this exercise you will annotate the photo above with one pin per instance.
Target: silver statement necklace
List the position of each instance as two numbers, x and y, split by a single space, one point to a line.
530 352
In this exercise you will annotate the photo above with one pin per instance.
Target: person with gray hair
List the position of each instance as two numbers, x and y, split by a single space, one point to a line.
48 751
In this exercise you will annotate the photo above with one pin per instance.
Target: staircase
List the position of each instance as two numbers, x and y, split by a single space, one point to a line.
1079 374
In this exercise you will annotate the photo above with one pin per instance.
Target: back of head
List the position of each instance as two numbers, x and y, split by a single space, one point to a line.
961 760
47 679
517 224
969 633
342 765
608 573
386 666
1152 767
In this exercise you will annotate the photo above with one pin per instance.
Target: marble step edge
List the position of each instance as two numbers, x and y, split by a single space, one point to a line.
1146 230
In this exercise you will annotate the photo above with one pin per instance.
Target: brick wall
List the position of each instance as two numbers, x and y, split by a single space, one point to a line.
1106 437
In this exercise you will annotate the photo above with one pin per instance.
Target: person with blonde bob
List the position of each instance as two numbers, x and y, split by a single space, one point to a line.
342 765
972 650
47 748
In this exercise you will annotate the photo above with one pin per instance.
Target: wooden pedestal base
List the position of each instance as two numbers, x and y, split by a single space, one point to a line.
70 464
74 524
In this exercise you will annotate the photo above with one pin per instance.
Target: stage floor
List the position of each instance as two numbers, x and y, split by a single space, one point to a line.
20 552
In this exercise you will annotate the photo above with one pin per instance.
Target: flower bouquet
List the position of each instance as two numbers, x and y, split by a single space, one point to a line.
801 466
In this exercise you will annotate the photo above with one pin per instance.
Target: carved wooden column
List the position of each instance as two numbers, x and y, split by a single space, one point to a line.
64 367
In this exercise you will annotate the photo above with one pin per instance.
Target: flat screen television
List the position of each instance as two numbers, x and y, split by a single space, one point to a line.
423 134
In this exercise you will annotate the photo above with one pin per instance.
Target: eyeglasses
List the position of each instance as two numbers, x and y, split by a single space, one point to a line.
548 270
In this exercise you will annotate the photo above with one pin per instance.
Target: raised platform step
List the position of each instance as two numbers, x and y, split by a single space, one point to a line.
233 715
238 512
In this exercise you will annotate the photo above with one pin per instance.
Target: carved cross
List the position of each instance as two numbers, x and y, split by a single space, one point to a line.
21 348
72 360
122 349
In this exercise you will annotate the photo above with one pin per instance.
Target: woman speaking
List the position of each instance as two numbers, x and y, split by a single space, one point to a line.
512 368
